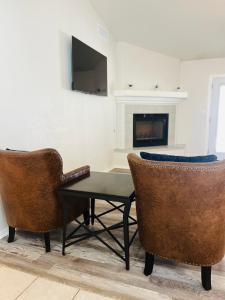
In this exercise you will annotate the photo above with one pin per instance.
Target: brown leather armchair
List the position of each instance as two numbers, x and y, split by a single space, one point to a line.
28 188
181 212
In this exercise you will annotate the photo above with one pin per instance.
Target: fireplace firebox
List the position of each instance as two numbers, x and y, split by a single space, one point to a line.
150 130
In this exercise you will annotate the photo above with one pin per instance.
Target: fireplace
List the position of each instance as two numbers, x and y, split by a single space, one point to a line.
150 130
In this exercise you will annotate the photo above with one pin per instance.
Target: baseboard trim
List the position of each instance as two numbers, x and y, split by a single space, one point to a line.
3 232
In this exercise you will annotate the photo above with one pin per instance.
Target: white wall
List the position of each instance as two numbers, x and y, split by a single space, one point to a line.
193 114
37 107
144 68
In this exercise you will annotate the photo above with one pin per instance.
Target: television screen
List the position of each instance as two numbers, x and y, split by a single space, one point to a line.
89 69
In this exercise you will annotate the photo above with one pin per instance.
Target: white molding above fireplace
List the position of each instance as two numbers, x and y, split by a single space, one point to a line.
149 97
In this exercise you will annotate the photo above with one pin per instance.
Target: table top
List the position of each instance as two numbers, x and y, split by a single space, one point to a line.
100 185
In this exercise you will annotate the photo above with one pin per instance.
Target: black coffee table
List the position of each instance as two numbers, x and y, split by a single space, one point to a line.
116 189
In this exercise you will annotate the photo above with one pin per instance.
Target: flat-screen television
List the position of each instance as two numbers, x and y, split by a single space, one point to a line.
89 69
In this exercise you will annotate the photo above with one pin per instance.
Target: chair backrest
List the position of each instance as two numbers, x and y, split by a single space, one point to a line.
28 183
181 209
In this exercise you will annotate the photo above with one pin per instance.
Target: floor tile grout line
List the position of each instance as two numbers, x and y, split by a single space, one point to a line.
29 285
76 294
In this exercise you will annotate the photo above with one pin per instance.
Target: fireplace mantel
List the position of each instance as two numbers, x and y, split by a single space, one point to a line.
149 97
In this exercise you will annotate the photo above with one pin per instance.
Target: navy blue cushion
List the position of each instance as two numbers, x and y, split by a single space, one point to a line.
174 158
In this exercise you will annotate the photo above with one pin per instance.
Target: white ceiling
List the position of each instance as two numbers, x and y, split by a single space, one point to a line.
186 29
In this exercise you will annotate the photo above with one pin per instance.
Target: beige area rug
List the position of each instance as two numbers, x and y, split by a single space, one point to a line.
90 265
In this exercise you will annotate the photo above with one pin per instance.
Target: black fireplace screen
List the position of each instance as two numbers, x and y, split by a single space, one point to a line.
150 130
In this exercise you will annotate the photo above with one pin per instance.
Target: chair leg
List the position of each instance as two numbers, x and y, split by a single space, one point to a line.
11 234
206 277
47 241
92 211
86 216
149 263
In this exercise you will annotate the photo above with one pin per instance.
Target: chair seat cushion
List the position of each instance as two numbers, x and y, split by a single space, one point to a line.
174 158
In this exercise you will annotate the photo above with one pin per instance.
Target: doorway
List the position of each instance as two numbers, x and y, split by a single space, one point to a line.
217 118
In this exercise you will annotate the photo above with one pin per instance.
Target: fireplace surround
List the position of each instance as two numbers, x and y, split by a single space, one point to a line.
150 130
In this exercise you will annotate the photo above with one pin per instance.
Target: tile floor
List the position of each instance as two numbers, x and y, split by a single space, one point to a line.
16 284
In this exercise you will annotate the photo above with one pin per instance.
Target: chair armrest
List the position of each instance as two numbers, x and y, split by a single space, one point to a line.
76 174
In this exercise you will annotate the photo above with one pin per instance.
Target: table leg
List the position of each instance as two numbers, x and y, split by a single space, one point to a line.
92 211
64 212
126 214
